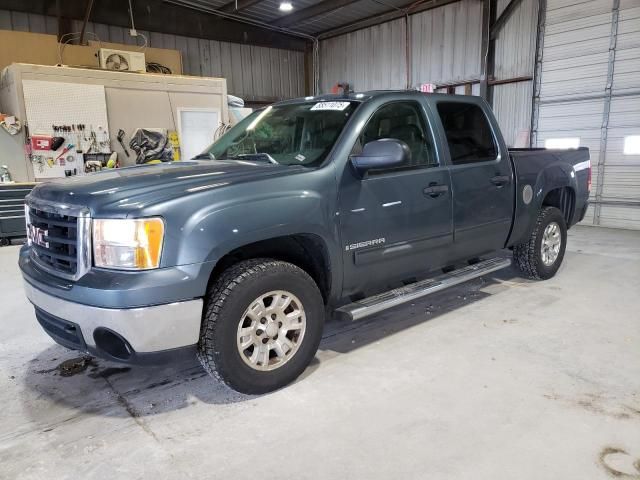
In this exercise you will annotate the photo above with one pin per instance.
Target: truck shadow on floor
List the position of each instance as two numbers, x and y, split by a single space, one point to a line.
99 387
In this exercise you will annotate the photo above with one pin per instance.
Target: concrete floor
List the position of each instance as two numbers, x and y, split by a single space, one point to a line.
500 378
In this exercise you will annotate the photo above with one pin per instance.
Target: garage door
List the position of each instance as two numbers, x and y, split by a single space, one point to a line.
588 94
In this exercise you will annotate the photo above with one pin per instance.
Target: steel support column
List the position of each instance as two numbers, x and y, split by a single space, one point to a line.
487 49
604 129
537 72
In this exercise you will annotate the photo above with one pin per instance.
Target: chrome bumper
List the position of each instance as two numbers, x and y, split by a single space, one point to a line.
147 329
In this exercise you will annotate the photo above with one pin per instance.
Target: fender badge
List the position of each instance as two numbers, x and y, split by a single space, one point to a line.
368 243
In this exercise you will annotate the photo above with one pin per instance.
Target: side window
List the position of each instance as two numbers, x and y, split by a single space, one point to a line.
403 121
468 133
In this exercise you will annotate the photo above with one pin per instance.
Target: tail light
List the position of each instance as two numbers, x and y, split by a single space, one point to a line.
589 180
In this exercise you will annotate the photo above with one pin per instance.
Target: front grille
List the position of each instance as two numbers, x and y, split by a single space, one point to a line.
54 240
66 333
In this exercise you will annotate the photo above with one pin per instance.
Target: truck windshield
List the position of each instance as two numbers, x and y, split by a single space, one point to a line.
296 134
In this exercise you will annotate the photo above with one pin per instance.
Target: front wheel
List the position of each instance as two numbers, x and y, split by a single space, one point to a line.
541 256
262 325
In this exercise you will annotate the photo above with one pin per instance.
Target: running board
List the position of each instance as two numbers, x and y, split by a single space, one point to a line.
392 298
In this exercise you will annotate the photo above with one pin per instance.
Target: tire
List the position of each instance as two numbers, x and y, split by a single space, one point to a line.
529 256
227 311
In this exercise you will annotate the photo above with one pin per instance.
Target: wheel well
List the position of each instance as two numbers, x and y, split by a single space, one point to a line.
564 199
306 251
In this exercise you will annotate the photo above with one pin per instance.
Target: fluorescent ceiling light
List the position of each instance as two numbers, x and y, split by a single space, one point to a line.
572 142
286 7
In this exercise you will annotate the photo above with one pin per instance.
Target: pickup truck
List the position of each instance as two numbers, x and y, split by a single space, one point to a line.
350 204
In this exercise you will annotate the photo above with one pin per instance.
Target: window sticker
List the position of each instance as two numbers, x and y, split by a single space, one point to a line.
300 157
330 106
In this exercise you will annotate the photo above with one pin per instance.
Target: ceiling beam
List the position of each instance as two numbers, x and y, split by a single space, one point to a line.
164 17
327 6
383 18
504 16
237 5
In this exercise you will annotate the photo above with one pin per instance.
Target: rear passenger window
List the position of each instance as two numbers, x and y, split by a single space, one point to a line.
468 133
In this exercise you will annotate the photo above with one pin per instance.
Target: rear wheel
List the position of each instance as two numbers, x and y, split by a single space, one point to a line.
262 325
541 256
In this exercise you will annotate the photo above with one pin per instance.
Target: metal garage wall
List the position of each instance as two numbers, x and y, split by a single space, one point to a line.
621 174
371 58
590 89
512 107
515 58
252 72
445 43
444 49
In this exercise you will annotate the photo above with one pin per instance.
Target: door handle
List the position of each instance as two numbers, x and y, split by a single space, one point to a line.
434 190
500 180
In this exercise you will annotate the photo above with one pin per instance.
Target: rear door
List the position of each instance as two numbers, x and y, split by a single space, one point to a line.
481 178
395 222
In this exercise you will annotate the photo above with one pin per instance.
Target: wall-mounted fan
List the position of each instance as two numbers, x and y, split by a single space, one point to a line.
122 60
115 61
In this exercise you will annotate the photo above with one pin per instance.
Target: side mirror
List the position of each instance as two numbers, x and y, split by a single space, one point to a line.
384 153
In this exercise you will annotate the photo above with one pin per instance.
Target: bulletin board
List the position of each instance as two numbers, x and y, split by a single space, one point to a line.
58 103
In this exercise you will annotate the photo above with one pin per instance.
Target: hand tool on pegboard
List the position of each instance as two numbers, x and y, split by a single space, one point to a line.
120 138
66 149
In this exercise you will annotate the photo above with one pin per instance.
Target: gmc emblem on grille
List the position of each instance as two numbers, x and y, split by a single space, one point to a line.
36 235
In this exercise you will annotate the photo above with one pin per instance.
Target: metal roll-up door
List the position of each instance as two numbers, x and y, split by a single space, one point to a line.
588 94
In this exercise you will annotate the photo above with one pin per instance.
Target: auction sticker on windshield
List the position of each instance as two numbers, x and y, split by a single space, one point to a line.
330 106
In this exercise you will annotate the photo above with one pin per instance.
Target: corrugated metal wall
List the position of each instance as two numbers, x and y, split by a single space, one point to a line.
252 72
445 43
444 49
515 57
367 59
512 107
590 89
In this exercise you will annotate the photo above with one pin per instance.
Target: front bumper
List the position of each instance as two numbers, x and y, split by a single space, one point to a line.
146 334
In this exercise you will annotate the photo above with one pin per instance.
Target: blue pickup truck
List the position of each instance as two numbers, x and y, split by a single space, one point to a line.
350 204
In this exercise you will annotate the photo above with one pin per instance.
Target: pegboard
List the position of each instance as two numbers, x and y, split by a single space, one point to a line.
58 103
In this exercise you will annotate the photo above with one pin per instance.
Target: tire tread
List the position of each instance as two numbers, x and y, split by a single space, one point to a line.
218 293
525 255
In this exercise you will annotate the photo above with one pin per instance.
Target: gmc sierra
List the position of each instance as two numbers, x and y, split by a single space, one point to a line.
306 207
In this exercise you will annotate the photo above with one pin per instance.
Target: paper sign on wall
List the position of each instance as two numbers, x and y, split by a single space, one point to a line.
196 129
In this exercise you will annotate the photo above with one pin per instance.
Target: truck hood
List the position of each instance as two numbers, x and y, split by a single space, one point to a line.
124 188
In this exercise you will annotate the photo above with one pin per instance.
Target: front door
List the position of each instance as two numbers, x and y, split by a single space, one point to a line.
395 223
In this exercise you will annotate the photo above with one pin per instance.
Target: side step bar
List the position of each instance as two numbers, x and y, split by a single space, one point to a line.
392 298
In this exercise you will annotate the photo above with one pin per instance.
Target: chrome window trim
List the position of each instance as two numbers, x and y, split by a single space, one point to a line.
83 246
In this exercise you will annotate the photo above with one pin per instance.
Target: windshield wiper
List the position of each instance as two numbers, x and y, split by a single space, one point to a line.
260 157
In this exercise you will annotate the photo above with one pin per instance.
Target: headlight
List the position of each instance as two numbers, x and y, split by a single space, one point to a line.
128 244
